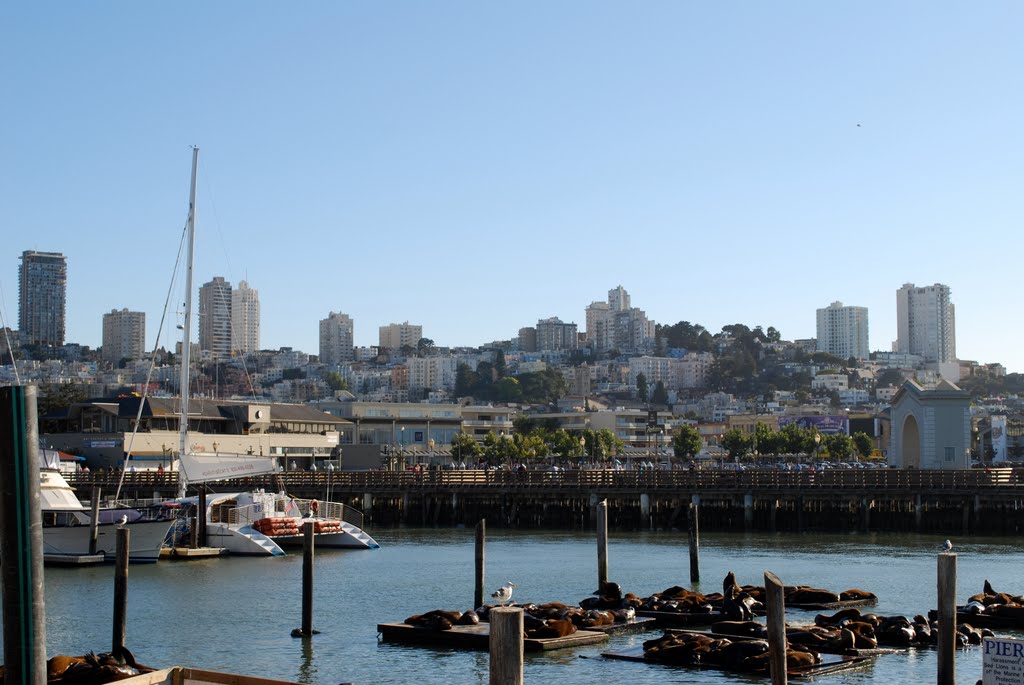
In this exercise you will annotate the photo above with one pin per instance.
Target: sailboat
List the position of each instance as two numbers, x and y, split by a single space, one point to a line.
252 522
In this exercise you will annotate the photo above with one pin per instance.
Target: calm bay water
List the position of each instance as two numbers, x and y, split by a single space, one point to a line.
236 614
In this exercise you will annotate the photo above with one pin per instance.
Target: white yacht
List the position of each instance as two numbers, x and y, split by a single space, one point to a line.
67 529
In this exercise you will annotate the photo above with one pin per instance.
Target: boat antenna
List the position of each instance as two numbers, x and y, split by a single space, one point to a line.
186 338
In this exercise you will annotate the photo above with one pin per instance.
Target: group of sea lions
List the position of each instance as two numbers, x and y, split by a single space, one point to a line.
553 619
742 603
871 631
91 668
992 603
695 649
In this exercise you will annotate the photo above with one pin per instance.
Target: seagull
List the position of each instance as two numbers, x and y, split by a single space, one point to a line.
947 546
504 593
123 520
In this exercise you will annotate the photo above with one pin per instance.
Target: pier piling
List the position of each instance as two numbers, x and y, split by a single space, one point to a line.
308 528
21 538
121 588
947 619
506 646
602 544
694 544
94 522
478 558
775 604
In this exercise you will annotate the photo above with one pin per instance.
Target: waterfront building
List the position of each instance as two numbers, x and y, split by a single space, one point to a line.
930 427
245 319
396 336
555 335
100 430
42 298
843 331
925 322
124 335
337 333
215 318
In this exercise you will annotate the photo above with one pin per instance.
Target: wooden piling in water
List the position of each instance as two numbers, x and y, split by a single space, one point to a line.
94 521
602 543
947 619
21 539
694 544
775 604
121 588
308 538
506 646
478 558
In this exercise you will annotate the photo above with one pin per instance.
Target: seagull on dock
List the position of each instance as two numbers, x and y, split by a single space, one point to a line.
123 520
504 593
947 546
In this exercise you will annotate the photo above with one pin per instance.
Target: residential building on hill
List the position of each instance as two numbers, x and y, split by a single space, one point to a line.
245 319
925 322
215 318
337 333
42 298
843 331
124 335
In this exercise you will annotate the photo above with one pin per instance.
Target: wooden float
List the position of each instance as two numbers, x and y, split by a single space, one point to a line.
192 552
180 675
988 621
679 618
73 559
843 604
851 651
637 625
479 636
829 664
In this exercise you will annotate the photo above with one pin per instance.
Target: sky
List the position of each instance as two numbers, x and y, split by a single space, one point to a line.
475 167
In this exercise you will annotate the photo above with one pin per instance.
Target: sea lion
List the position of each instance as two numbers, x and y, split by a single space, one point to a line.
740 628
551 629
837 618
811 595
854 594
438 619
468 618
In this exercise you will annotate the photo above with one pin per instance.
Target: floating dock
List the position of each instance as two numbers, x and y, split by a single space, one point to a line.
74 559
192 552
479 637
829 664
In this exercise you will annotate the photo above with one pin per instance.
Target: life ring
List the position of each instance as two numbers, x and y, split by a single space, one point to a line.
314 506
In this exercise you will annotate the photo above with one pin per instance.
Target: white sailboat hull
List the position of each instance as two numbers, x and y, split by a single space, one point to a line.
144 541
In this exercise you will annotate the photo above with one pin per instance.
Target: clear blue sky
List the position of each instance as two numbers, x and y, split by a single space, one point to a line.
474 167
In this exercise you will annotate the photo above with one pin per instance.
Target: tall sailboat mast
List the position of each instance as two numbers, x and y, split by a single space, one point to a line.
186 338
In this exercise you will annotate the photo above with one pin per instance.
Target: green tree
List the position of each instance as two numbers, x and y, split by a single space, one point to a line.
863 444
465 380
528 447
424 346
335 381
660 394
56 396
563 444
508 390
464 447
686 442
498 449
839 446
737 443
641 387
293 374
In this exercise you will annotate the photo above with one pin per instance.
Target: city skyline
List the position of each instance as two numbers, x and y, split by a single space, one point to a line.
475 169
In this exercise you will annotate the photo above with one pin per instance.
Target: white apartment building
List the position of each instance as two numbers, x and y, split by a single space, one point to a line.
431 373
215 318
925 322
843 331
830 381
677 374
395 336
554 335
614 325
245 319
337 333
124 335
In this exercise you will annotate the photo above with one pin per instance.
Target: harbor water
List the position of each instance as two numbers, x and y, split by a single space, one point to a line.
236 614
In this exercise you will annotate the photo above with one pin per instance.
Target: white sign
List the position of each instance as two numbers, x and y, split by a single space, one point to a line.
1002 661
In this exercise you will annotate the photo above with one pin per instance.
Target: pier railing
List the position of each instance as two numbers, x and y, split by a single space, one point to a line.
964 481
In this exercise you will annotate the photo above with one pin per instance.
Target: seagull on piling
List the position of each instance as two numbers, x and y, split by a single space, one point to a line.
123 520
504 593
947 546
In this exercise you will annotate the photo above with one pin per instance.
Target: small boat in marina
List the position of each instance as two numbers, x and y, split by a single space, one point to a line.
263 523
67 529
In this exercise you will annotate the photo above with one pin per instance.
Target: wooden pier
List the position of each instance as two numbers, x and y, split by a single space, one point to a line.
965 501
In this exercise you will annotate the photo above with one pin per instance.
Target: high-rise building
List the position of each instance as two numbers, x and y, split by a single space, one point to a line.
245 319
124 335
215 318
527 339
337 333
395 336
925 322
615 325
42 298
843 331
554 335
